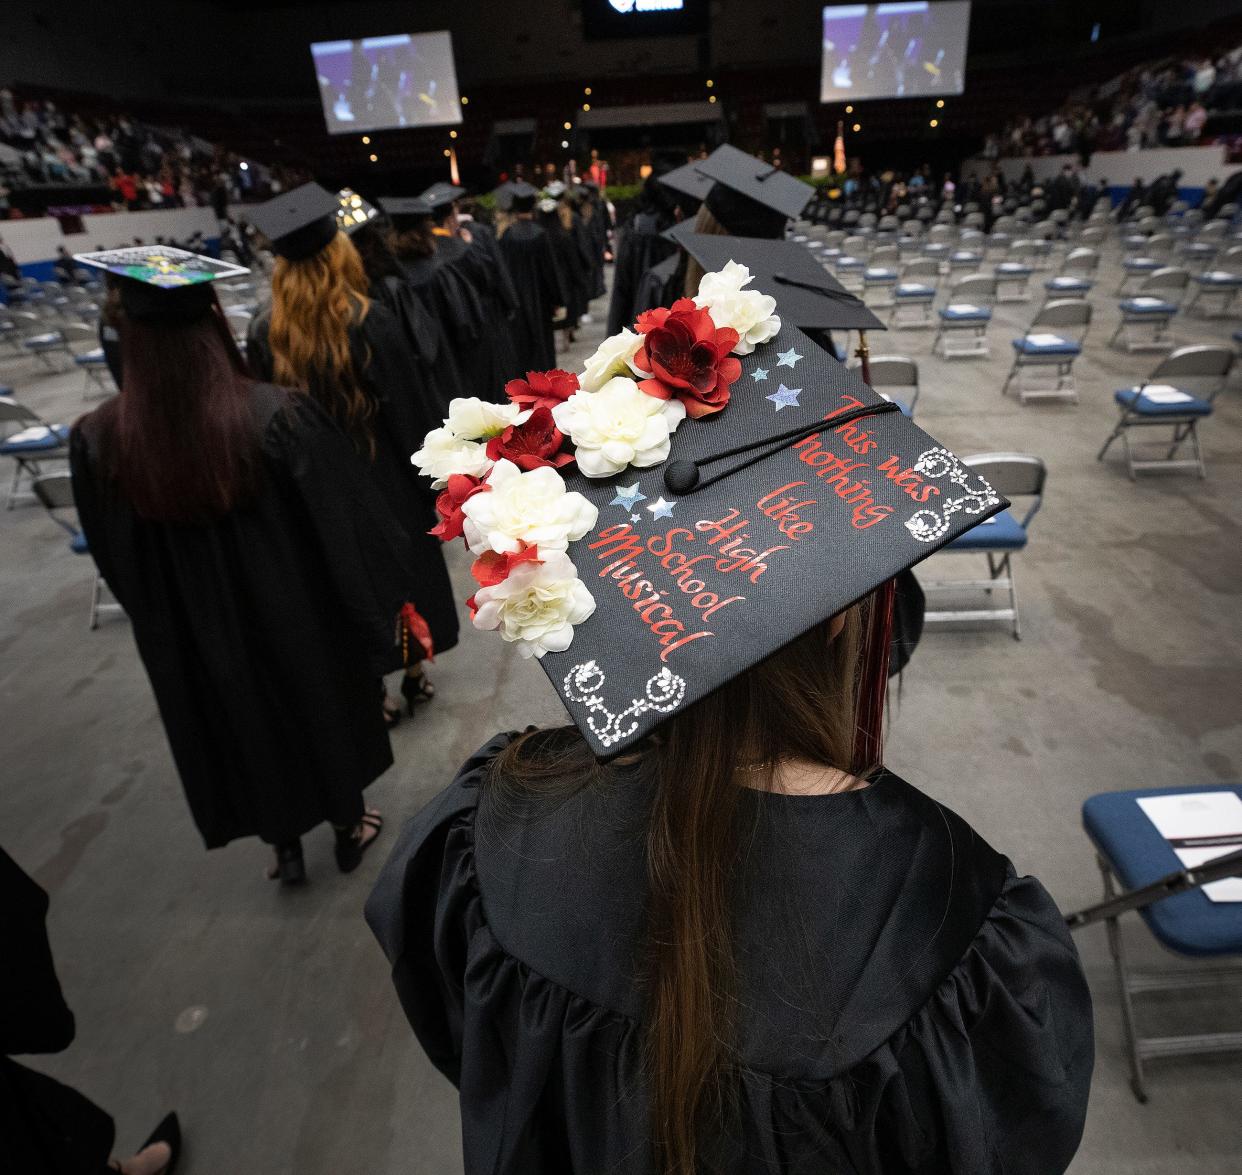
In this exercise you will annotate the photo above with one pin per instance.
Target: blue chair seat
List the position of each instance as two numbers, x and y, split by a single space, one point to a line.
93 358
1141 263
880 275
1063 346
41 342
1189 923
915 290
1148 306
1219 278
77 544
35 440
1001 532
1237 338
1200 247
965 312
1160 402
1076 285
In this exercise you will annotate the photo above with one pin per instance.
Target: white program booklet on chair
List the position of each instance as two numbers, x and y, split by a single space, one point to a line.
1044 340
1147 300
1164 394
1201 826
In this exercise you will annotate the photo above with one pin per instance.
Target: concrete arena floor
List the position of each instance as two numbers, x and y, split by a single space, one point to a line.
266 1018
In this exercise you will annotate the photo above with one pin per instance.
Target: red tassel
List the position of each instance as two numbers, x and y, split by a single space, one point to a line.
873 686
412 624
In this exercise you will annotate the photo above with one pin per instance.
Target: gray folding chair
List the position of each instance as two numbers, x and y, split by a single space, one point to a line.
1147 313
30 441
1179 393
55 491
896 378
915 292
963 322
1015 475
1052 342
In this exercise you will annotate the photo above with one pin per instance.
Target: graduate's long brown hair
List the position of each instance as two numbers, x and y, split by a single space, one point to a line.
813 700
315 301
180 438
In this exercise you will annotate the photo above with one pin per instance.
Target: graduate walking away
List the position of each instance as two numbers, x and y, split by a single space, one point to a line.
704 929
266 578
325 337
528 255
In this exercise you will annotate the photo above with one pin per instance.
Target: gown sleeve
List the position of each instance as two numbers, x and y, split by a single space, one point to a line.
86 499
366 550
424 910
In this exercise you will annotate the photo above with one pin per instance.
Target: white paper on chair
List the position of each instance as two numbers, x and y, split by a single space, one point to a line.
1201 826
1145 300
1045 340
964 308
35 433
1220 275
1164 394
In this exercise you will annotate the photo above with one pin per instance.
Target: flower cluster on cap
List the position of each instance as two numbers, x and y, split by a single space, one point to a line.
498 466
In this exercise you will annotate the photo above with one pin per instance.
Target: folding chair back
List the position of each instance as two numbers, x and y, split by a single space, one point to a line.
977 288
1015 475
1210 364
1169 282
885 255
921 269
896 373
1081 261
55 491
1093 234
1213 230
1067 315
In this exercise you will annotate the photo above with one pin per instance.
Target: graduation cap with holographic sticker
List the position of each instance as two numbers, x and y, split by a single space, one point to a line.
160 281
353 211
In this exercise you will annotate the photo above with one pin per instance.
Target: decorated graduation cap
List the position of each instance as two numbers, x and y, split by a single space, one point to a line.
809 297
162 283
711 485
523 196
353 211
298 223
441 195
749 197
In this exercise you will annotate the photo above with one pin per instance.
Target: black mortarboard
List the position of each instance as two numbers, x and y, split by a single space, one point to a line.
404 209
812 492
353 211
503 196
440 195
160 282
523 196
807 295
688 180
752 198
299 223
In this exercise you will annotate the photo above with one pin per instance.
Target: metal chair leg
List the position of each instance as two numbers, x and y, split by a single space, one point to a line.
1117 950
1007 567
96 592
1112 437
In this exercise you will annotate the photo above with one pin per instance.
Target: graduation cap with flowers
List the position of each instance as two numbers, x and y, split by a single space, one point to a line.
710 486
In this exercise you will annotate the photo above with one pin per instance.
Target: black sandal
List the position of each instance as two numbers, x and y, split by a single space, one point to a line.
289 867
416 691
350 844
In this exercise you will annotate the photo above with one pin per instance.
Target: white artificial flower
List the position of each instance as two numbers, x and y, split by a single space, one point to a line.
613 357
475 420
444 454
531 508
618 426
748 312
536 606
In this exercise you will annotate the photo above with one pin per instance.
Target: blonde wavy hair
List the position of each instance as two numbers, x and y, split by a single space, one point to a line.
315 301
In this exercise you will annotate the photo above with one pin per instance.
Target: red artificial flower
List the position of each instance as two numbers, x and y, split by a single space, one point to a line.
530 445
461 486
492 568
542 389
688 357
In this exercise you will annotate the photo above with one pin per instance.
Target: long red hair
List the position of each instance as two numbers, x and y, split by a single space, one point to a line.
180 437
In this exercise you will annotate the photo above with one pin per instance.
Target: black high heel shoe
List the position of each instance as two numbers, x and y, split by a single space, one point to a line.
416 691
350 844
169 1133
289 867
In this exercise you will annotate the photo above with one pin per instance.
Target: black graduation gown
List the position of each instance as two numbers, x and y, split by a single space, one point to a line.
426 338
592 257
571 268
46 1128
528 254
452 300
492 362
406 413
639 247
908 1004
264 632
484 238
661 285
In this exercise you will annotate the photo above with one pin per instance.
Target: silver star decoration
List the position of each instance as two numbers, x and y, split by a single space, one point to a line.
759 373
787 358
636 518
628 497
661 509
785 397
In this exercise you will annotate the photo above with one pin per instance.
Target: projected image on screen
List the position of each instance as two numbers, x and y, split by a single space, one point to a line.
381 82
900 50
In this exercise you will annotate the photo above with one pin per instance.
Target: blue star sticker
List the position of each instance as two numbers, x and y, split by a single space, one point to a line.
628 497
785 397
636 518
787 358
661 509
758 374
